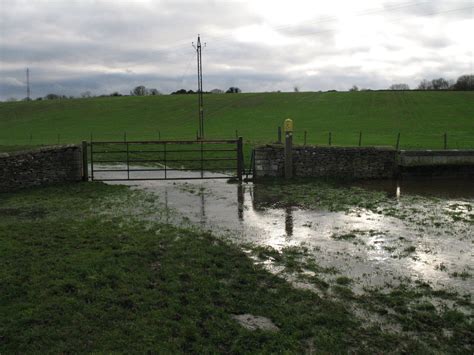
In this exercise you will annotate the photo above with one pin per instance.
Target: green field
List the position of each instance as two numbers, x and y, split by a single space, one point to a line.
422 118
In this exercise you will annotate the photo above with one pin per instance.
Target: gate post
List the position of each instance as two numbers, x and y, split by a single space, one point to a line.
240 158
85 167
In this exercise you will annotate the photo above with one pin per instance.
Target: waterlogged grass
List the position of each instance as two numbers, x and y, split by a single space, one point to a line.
79 274
431 320
317 194
339 196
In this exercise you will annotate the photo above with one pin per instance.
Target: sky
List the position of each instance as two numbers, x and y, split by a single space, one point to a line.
103 46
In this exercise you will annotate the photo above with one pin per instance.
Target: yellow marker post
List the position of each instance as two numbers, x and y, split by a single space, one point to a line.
288 127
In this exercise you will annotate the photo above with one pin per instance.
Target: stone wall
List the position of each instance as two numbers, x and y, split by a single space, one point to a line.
332 162
43 166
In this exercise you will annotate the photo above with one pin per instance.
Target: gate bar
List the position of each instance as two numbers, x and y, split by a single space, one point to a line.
85 167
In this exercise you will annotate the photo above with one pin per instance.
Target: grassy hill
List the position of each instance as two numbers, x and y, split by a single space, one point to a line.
420 117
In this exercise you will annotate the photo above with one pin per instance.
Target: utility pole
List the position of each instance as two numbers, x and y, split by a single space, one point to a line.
197 47
27 84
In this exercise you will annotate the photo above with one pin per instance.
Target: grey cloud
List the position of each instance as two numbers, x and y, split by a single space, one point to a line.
104 46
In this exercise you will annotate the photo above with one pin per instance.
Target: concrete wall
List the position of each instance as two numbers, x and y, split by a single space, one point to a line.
43 166
333 162
445 163
436 157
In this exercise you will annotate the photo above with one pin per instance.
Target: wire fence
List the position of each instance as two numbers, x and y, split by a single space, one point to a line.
399 140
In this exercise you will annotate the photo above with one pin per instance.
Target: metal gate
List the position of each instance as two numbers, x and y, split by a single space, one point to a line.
163 160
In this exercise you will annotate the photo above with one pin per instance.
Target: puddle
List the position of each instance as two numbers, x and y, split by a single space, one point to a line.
372 249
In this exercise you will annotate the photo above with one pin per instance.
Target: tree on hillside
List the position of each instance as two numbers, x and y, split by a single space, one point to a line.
399 87
139 91
425 85
440 84
233 90
153 92
179 92
53 97
465 83
354 88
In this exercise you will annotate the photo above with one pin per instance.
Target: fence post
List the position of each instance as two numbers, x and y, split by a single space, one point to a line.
445 140
92 160
398 141
305 137
128 162
236 134
59 137
279 135
240 158
288 148
330 138
85 167
124 136
360 138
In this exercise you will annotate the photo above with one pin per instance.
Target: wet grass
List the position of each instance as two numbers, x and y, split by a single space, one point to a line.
340 196
80 274
316 194
408 307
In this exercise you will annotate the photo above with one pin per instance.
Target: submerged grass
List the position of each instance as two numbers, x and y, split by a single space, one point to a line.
408 307
339 196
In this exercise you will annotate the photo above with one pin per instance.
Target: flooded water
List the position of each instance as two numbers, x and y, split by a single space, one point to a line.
372 248
436 187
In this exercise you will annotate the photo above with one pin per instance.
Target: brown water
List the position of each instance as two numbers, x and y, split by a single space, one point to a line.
429 247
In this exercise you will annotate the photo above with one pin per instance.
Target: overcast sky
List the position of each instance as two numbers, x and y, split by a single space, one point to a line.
104 46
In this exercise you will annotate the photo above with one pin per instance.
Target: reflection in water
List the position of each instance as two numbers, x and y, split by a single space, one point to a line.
240 202
289 221
380 249
436 187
